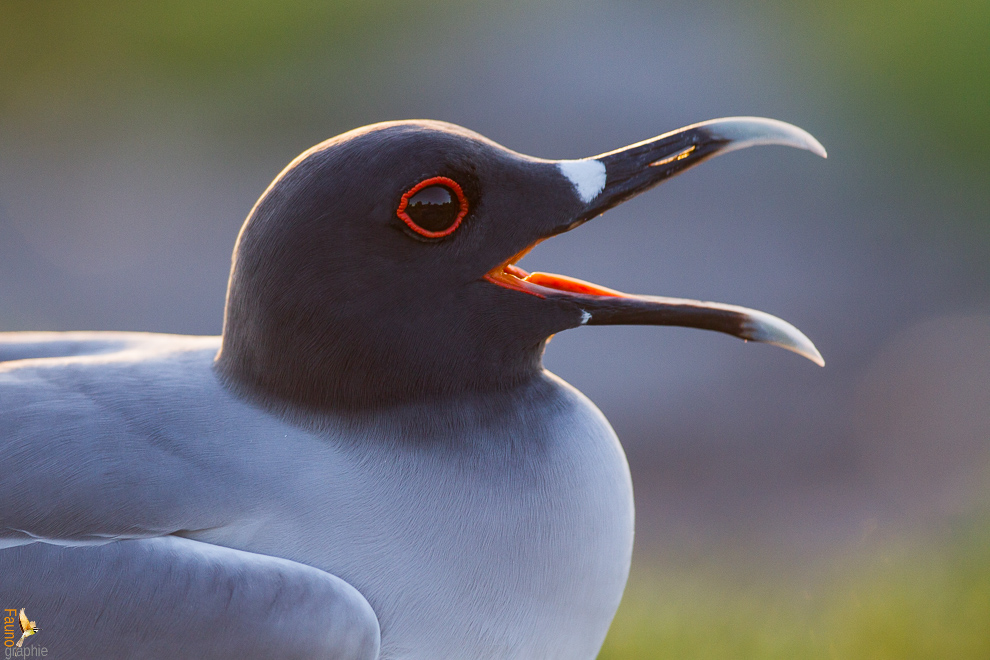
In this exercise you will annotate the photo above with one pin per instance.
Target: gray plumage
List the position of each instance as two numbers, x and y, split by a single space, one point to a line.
371 462
524 523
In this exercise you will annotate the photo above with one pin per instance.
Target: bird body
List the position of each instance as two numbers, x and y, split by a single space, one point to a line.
505 534
371 461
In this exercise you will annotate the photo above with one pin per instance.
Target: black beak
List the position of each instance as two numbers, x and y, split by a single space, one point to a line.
609 179
632 170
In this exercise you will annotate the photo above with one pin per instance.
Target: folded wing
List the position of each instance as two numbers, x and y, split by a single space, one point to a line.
173 597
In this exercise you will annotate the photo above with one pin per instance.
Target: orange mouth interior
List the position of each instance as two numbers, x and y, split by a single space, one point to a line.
510 276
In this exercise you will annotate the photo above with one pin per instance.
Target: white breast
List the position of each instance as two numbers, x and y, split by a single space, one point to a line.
511 541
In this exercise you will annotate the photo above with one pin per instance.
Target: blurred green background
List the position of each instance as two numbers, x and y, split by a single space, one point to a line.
783 511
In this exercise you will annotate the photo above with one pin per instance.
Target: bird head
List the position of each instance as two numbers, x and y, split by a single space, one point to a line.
379 266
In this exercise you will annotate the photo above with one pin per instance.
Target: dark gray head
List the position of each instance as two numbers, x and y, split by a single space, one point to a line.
378 266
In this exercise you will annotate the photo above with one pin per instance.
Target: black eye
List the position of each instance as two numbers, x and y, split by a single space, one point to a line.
433 207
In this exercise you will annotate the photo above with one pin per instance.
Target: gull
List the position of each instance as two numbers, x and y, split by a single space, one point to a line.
371 461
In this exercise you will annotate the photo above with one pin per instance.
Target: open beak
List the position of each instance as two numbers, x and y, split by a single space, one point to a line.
609 179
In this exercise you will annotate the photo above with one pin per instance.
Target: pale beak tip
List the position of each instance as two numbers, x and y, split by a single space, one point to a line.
743 132
803 348
769 329
816 358
816 148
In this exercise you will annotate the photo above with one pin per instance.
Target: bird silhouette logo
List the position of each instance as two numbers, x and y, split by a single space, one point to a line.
28 628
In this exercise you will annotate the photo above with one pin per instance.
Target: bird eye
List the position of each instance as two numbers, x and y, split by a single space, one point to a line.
433 207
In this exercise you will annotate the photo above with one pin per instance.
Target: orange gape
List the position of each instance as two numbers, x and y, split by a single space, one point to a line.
510 276
572 284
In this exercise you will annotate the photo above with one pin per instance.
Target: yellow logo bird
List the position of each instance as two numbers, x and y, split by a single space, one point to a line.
28 628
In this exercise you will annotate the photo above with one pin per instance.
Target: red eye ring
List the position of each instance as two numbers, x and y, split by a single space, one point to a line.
432 181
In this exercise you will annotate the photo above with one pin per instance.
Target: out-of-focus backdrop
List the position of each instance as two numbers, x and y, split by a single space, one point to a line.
783 510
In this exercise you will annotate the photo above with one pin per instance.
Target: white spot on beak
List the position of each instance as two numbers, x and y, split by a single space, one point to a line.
588 176
585 317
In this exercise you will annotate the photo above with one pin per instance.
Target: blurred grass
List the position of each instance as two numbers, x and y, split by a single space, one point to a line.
895 601
926 62
239 68
108 43
98 47
916 72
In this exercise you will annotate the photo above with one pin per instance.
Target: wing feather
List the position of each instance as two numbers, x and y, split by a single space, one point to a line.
108 447
173 597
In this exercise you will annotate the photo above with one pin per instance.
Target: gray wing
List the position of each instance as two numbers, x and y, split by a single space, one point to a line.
35 345
132 443
172 597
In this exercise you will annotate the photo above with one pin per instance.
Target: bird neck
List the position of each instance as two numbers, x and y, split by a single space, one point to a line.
334 365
